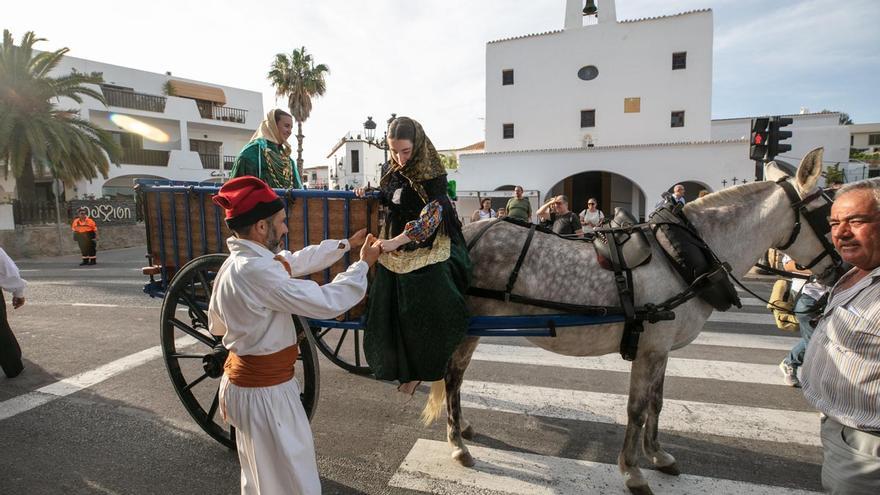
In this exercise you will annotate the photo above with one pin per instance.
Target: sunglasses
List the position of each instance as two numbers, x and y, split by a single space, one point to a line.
591 203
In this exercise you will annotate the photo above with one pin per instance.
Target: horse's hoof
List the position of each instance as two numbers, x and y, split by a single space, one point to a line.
467 433
640 490
671 470
463 457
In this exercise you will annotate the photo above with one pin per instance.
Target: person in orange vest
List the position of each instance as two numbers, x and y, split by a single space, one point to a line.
86 234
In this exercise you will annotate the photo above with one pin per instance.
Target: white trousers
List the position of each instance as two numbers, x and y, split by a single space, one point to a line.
274 439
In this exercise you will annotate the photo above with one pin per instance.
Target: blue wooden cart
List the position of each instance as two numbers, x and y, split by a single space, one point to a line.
186 244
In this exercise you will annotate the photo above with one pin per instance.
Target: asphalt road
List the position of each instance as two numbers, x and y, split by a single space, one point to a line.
544 423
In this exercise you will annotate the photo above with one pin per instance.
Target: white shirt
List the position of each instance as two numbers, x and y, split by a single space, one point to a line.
592 217
811 289
254 296
10 279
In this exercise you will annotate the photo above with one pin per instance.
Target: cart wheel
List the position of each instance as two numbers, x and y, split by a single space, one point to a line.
344 347
194 358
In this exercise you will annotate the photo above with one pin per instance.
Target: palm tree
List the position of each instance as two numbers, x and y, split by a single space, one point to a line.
34 131
299 79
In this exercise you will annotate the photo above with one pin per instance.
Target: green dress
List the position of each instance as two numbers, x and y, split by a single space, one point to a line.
263 159
416 319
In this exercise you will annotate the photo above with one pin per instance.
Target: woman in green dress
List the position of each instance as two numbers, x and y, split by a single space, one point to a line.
267 155
416 314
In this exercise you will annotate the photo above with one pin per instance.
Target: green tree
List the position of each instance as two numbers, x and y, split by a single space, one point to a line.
450 162
34 131
298 78
844 117
834 174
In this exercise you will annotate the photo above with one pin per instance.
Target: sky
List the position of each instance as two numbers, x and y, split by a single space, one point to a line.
426 58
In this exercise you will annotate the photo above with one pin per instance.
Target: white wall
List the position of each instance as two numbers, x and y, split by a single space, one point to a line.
370 168
634 59
808 131
652 168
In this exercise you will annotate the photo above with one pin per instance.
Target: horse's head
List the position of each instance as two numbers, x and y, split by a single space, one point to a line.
808 243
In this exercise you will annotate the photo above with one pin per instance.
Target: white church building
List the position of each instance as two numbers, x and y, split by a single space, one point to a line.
617 110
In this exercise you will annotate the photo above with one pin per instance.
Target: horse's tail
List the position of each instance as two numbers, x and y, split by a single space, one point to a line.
436 401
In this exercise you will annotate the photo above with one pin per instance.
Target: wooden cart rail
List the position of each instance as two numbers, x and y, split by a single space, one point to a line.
182 223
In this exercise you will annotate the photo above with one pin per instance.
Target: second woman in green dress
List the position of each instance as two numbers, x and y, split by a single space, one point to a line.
267 155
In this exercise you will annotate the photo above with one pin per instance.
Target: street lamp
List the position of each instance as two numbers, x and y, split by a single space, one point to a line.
370 133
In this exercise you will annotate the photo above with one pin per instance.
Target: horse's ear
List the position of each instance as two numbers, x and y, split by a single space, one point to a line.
772 171
809 170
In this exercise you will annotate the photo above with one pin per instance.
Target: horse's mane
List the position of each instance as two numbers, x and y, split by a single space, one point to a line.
733 195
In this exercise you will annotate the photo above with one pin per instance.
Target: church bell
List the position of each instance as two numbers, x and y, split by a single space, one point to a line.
590 9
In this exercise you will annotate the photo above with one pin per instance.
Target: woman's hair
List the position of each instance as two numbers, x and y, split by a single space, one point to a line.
593 200
483 201
402 128
281 113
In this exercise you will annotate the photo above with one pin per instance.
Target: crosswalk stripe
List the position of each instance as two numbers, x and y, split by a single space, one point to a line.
62 388
751 301
755 423
746 318
729 371
772 342
429 469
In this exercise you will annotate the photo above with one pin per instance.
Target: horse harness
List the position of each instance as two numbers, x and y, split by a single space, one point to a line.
625 245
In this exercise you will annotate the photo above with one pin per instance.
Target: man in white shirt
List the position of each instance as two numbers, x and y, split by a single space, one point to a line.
253 297
10 281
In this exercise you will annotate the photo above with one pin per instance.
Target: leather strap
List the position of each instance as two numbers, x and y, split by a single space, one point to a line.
519 261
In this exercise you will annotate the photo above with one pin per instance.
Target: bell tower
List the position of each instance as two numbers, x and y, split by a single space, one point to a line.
576 10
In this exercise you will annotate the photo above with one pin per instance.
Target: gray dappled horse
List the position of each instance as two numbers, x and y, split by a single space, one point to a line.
739 224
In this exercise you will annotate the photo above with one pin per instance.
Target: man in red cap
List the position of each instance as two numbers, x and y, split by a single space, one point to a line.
254 294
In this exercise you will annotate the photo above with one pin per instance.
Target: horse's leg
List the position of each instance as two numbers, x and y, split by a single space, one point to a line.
645 370
455 369
662 460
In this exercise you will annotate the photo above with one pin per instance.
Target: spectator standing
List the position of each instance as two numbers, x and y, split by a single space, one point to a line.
841 375
806 296
592 216
485 212
519 207
10 281
86 234
562 220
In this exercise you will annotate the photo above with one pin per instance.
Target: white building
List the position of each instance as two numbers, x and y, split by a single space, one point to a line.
202 127
316 176
355 162
616 110
865 137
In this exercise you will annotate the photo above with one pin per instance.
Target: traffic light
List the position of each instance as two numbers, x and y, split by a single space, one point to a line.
774 147
758 147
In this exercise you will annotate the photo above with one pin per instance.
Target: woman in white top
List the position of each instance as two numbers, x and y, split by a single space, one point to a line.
484 212
592 216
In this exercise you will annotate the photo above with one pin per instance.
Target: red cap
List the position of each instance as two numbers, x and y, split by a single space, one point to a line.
246 200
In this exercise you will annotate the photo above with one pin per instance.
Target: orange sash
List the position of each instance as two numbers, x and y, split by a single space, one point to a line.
261 371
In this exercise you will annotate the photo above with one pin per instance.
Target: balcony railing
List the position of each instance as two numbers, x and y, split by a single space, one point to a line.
157 158
130 99
217 112
213 161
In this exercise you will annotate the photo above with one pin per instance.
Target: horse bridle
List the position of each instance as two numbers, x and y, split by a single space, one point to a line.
817 219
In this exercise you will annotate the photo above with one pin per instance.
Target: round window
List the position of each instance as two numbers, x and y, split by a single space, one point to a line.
588 72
